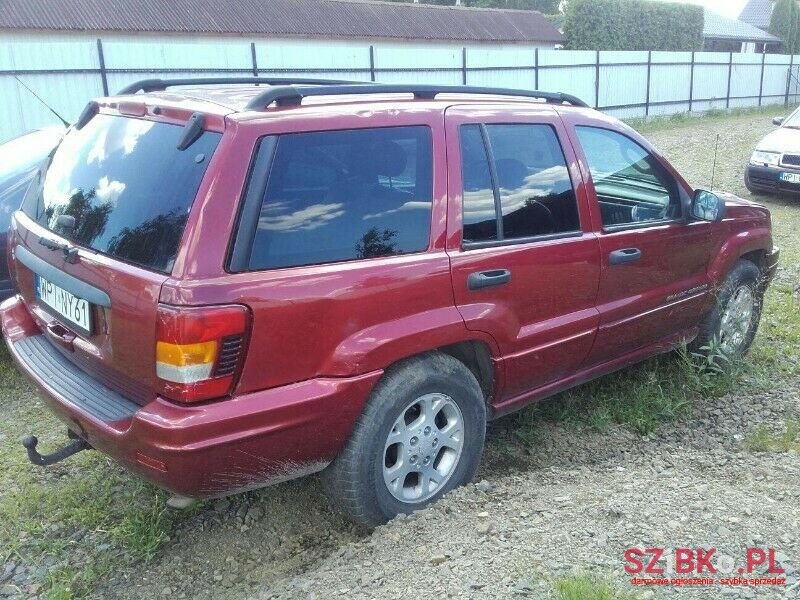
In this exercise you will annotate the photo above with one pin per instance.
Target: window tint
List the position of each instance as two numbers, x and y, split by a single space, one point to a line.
480 216
536 195
631 185
532 181
126 184
346 195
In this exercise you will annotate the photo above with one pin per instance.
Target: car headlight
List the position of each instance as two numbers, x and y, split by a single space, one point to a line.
766 158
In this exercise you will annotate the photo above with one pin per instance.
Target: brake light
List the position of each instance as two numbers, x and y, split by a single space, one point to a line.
199 351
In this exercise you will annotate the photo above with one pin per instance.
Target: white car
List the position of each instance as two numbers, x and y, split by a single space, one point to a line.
775 165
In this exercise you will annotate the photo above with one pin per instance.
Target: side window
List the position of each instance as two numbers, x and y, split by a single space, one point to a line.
530 179
345 195
536 195
632 186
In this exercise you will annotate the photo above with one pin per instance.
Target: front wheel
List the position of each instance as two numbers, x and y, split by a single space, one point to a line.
733 322
421 435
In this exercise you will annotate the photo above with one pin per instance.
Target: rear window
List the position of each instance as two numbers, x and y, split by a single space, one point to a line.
345 195
127 186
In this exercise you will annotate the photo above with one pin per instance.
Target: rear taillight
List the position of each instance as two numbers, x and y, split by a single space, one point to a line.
199 351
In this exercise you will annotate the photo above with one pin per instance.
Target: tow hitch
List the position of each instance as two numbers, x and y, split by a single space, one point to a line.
30 442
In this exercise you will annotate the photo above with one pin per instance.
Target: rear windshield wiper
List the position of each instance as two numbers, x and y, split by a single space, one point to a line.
70 252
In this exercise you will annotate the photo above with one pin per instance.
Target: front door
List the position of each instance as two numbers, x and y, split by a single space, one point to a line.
525 266
654 281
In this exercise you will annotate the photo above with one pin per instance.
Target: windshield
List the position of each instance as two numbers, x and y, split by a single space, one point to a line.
127 186
793 120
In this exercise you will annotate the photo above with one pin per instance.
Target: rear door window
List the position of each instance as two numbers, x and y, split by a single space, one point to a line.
516 183
127 186
345 195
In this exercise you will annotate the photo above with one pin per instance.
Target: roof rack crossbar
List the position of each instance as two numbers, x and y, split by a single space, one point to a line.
289 95
158 85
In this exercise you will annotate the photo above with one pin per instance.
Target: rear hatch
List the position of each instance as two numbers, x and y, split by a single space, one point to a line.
97 237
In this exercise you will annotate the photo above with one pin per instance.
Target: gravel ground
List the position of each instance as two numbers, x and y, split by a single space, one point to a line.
575 504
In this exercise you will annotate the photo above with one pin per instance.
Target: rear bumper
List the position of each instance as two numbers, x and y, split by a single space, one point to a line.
767 180
206 450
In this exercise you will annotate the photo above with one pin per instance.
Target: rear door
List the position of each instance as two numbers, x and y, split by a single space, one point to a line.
654 283
525 267
97 237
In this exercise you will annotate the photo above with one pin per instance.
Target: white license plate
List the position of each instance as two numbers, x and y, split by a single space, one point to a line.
76 311
790 177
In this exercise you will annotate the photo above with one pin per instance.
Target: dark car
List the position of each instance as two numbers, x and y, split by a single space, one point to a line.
19 160
228 286
774 167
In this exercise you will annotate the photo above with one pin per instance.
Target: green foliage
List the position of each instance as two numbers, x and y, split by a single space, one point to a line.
785 23
633 25
588 587
762 440
548 7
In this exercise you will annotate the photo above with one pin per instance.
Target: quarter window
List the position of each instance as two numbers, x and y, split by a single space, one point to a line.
632 186
345 195
529 178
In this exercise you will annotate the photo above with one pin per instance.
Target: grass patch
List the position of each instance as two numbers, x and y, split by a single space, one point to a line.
658 123
641 397
761 439
588 587
69 525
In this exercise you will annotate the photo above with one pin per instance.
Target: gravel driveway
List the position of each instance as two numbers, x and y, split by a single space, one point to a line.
577 505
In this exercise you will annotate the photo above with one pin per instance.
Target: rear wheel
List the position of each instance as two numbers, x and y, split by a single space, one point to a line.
732 323
421 435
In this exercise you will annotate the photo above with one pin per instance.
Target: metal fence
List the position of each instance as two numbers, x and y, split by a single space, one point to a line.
66 71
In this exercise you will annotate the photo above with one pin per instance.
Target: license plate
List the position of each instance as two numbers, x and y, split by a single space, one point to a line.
790 177
76 311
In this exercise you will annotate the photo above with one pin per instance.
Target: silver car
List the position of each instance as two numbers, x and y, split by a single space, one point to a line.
774 167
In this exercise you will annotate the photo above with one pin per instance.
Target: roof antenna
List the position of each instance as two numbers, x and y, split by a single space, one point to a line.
714 168
50 108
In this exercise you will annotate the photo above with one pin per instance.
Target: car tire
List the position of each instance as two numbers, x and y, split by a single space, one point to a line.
733 321
406 437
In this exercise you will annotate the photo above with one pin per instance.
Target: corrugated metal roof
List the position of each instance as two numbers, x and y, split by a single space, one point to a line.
306 18
719 27
757 13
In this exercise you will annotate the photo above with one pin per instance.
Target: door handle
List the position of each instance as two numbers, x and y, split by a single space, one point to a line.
624 256
485 279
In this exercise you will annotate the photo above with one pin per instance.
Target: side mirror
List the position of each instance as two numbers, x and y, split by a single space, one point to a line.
778 121
707 206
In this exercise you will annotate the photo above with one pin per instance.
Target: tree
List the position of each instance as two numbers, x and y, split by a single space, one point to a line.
375 243
633 25
785 24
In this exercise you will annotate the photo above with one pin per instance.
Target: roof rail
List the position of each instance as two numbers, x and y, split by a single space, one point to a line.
288 95
158 85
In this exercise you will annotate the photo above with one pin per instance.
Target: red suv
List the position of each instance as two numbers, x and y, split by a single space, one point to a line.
225 284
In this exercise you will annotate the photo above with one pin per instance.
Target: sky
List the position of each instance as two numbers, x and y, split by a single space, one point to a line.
729 8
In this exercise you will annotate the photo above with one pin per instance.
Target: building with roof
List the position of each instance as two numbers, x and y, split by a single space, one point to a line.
757 13
722 34
306 19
